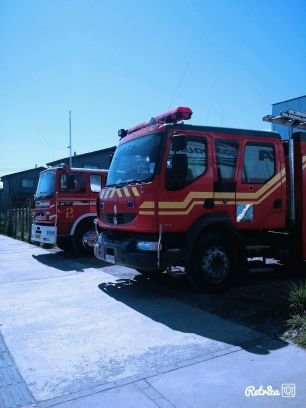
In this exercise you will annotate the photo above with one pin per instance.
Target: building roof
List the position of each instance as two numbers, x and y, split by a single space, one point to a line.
83 155
38 169
288 100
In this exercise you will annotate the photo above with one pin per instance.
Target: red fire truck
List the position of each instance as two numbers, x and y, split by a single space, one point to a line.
203 198
65 207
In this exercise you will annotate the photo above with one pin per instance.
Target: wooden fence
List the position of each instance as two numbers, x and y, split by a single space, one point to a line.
16 223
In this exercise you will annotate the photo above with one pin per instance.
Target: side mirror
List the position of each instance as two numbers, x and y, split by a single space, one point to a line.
178 143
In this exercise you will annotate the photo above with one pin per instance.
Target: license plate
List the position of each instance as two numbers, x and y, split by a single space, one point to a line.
37 236
110 258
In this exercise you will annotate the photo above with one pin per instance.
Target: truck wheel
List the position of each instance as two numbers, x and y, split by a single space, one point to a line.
84 239
213 264
64 244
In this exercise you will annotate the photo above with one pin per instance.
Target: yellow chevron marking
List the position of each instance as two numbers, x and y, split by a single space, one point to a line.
304 159
303 166
135 191
126 191
146 213
102 193
147 205
118 191
113 190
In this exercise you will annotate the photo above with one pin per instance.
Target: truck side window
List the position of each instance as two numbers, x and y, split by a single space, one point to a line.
226 157
95 183
72 183
185 163
258 163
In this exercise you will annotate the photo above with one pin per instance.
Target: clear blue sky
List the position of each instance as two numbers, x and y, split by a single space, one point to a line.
117 63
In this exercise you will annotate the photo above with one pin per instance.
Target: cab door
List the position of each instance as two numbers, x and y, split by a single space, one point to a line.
259 198
225 185
73 200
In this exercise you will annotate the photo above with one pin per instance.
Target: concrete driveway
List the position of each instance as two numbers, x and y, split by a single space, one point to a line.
76 326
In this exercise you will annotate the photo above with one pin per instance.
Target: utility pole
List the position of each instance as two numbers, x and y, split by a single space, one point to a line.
70 146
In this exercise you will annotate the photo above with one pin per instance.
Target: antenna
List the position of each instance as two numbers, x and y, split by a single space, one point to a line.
179 85
70 146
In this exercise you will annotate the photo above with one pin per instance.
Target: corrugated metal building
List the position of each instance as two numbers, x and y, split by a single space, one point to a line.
295 103
98 159
19 188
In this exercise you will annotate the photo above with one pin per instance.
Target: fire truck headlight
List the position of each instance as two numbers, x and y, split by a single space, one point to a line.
147 246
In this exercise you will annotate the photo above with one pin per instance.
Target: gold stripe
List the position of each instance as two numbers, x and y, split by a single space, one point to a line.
223 203
135 191
194 203
102 193
262 190
126 191
224 196
112 193
242 196
118 191
147 204
146 213
186 202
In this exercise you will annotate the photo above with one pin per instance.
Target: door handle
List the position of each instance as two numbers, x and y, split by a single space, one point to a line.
277 203
209 203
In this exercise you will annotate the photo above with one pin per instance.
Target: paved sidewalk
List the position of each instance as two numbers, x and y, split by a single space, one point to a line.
84 334
219 381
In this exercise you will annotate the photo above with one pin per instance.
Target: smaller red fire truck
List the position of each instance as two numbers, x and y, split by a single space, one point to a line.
65 207
204 199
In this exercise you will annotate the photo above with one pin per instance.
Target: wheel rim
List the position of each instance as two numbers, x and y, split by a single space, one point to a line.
89 239
215 265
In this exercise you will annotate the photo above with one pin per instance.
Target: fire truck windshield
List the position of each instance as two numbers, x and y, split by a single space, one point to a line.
134 161
45 188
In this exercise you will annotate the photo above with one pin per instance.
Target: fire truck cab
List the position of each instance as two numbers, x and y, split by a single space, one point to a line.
198 197
65 207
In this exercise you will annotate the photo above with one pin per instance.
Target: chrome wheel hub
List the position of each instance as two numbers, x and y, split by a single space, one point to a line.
90 238
215 265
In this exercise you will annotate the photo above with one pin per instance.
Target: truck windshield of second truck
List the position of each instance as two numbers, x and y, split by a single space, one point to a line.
134 161
45 188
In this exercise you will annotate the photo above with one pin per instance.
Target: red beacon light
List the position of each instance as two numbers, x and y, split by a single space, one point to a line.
172 116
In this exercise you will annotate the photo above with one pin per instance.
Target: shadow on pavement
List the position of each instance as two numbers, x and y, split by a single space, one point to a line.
67 262
242 316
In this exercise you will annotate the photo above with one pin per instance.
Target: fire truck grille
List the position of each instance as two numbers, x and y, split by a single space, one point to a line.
117 219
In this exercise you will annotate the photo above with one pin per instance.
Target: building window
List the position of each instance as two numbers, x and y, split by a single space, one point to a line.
258 163
27 182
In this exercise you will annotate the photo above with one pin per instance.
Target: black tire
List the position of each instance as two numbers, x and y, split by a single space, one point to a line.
85 238
64 244
214 263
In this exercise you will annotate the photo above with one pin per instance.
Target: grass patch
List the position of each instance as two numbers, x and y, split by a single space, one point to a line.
297 308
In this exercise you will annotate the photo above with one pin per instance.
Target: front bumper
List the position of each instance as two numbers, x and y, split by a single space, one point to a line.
45 234
125 253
